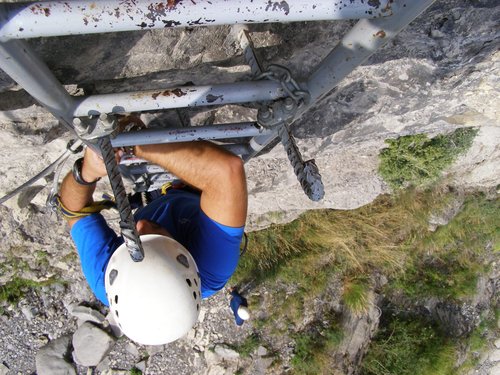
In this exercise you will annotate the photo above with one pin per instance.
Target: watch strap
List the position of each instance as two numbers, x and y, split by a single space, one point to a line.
77 173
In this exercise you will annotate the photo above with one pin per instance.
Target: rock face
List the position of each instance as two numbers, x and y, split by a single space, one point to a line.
358 331
441 73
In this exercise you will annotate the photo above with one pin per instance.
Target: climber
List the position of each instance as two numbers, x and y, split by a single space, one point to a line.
191 240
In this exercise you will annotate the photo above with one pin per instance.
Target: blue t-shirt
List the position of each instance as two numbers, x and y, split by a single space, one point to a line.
214 247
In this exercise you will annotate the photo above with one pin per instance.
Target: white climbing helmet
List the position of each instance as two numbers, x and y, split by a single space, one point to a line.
155 301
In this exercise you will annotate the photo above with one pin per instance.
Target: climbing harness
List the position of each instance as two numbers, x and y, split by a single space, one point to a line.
95 207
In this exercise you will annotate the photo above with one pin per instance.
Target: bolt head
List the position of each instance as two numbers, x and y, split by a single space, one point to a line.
289 104
265 114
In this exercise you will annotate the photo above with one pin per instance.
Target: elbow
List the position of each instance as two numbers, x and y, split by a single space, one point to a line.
230 175
235 171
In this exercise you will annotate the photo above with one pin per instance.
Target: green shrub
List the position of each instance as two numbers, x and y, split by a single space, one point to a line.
409 347
312 349
417 160
446 263
15 289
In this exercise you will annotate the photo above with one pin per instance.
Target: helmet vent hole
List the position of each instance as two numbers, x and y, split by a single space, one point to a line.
182 259
188 282
198 306
194 295
116 298
116 312
112 276
195 282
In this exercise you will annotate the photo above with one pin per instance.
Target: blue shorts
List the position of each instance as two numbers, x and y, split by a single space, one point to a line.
214 247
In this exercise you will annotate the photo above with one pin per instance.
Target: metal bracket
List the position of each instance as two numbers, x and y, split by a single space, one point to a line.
277 113
93 127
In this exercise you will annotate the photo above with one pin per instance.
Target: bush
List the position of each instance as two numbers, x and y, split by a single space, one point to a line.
409 347
417 160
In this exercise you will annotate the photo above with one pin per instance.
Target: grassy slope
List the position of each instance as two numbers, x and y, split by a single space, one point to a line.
390 236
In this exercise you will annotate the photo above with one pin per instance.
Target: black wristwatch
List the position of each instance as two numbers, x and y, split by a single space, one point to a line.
77 173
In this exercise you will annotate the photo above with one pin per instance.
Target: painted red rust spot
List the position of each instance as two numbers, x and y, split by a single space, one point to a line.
171 4
380 34
176 92
38 9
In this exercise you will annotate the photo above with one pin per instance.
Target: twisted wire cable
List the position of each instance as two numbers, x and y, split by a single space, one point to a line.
127 224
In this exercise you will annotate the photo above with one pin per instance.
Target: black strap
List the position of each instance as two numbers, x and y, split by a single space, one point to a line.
77 173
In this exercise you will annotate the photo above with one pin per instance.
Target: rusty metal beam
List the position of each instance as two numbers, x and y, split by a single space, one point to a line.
53 18
180 97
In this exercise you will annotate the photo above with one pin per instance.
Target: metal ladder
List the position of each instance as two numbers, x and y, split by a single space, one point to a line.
281 100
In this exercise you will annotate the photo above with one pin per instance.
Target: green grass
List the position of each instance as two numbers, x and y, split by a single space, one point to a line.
416 160
16 288
135 371
355 295
390 236
447 263
312 349
409 347
247 346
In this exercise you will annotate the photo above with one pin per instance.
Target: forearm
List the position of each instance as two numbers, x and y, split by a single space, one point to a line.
217 173
75 196
196 163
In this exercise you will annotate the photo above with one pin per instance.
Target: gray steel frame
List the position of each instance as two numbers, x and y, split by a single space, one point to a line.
383 20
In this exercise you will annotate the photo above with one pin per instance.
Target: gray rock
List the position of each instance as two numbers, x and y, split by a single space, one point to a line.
446 214
50 360
141 366
91 344
132 349
104 365
497 343
86 314
261 351
457 320
154 349
28 314
226 353
495 370
110 319
3 369
494 356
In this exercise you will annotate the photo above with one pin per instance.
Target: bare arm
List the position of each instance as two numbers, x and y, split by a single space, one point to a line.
217 173
75 196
